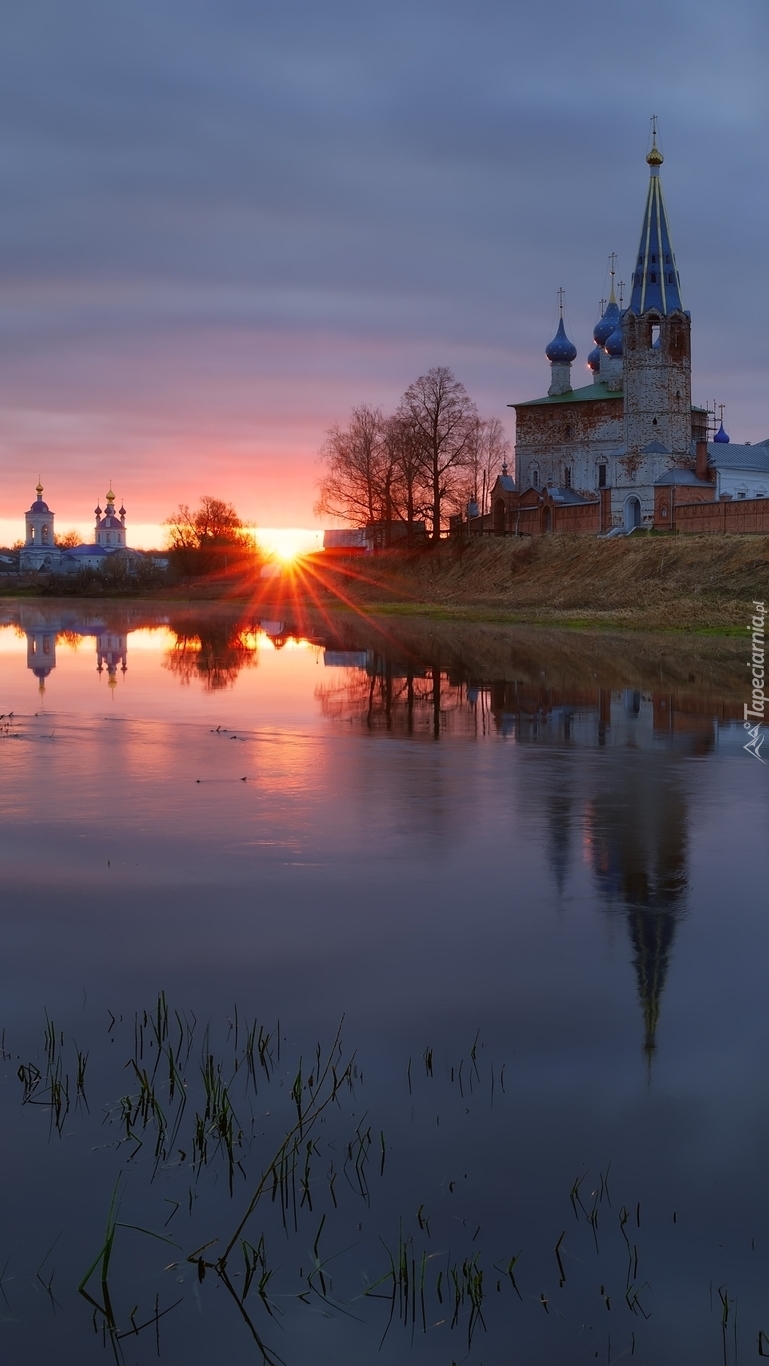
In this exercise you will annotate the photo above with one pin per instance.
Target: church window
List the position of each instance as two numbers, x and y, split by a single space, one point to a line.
32 535
653 277
654 422
655 333
654 260
45 535
602 476
667 260
567 477
535 478
569 431
109 538
671 279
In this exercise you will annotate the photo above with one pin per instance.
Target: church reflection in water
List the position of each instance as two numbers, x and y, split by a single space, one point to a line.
622 807
111 647
626 811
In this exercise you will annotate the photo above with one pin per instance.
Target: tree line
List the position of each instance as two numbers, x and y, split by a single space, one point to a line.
209 539
429 459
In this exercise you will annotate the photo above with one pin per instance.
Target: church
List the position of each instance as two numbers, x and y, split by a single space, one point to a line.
41 554
630 450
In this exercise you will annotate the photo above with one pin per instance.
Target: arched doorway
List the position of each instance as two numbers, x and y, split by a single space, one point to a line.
499 517
632 513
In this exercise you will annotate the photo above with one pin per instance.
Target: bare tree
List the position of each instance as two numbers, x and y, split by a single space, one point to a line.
489 451
443 418
402 474
351 487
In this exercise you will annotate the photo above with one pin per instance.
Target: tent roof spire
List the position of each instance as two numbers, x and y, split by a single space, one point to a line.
655 282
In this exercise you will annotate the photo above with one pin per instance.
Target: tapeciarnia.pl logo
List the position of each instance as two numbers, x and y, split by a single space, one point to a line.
755 709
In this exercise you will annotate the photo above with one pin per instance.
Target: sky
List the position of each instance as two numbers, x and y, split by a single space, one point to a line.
225 222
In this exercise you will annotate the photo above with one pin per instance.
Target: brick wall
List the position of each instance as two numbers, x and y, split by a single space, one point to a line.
740 517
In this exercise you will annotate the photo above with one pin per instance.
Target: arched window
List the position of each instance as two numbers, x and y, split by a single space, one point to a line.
45 535
653 277
534 477
567 477
602 476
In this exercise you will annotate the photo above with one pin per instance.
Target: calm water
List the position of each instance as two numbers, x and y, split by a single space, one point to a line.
527 868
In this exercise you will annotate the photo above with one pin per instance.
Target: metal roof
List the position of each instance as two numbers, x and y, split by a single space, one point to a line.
656 282
560 495
590 394
84 551
678 477
735 457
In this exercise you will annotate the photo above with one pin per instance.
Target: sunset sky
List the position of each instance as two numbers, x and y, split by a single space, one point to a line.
225 223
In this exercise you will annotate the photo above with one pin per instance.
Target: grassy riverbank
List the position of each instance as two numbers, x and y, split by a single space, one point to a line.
645 583
642 583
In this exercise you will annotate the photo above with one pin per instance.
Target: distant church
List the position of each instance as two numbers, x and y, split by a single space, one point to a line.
630 449
41 554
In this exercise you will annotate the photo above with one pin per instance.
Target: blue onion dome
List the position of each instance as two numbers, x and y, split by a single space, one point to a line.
607 323
560 351
614 342
721 434
594 359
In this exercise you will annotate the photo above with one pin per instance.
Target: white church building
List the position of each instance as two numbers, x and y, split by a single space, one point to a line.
41 554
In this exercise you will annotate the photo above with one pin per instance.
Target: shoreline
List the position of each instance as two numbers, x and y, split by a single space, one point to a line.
643 621
678 586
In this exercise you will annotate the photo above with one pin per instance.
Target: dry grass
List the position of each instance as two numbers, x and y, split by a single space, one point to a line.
644 582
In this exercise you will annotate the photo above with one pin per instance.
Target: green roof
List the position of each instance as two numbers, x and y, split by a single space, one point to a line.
589 394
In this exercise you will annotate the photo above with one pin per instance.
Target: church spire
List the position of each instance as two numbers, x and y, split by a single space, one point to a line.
655 276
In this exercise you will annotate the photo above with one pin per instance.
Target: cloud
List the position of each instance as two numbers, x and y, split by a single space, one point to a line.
226 223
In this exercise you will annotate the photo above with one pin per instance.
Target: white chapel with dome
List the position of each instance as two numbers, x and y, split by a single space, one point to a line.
41 554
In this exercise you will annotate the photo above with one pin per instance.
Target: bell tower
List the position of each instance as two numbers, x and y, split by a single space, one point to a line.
39 550
656 338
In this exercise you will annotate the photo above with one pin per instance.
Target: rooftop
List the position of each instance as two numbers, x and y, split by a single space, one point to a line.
679 477
591 393
736 457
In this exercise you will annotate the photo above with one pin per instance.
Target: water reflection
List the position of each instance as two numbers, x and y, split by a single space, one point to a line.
212 652
627 821
42 637
435 828
632 820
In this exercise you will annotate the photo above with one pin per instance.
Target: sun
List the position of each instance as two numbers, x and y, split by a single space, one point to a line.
287 543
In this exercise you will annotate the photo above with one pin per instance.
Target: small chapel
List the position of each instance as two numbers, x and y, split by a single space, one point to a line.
630 450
